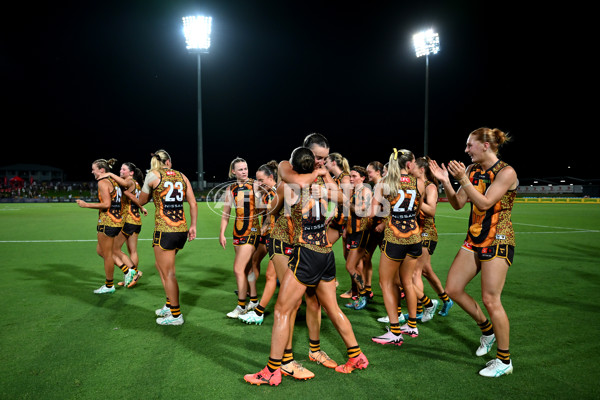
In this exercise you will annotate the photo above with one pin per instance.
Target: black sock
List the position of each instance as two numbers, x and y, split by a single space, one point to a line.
503 355
273 364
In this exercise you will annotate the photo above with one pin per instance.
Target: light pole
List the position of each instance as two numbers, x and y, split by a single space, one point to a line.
426 43
197 36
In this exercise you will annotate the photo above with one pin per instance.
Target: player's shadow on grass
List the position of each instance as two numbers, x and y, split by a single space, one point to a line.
230 347
572 252
216 338
78 282
470 343
67 279
212 278
71 274
208 334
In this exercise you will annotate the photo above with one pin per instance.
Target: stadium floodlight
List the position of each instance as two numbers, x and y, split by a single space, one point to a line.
426 42
197 30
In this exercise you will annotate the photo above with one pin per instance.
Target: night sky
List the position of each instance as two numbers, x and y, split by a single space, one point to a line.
113 79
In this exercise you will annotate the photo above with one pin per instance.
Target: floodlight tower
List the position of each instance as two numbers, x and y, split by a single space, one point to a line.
426 42
197 31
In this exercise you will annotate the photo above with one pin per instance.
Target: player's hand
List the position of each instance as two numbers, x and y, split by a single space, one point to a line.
457 169
440 173
321 171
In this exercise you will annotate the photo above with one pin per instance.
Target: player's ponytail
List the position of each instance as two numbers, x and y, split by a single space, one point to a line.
158 160
340 161
495 137
303 160
423 162
107 165
269 169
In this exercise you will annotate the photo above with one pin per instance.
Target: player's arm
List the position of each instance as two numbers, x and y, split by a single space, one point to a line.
288 175
103 194
126 183
150 183
380 207
429 206
457 199
335 193
225 217
505 180
361 206
278 201
191 199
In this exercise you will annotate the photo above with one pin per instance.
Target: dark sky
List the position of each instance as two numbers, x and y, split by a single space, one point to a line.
113 79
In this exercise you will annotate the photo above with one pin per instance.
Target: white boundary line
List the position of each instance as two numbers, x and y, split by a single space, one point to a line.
568 229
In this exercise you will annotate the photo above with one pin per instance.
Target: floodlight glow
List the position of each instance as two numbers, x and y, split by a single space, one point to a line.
426 43
197 33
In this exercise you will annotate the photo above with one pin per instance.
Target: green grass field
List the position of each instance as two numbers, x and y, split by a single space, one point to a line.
61 341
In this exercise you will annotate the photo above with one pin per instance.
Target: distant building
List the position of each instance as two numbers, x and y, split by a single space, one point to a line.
31 172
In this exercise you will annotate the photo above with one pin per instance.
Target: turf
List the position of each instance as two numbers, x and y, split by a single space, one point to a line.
61 341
